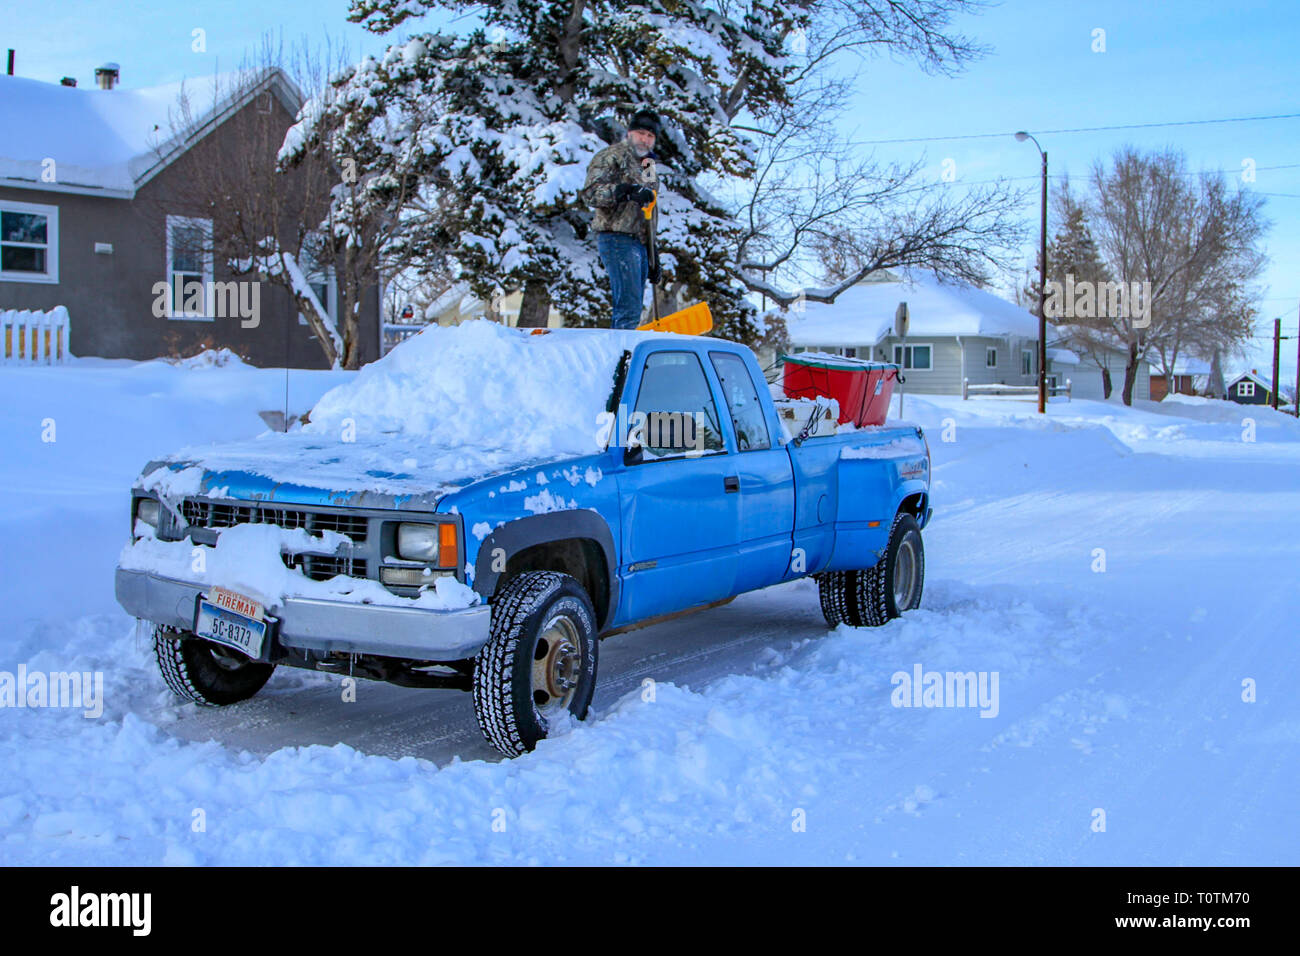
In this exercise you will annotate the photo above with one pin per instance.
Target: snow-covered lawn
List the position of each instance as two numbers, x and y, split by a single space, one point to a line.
744 734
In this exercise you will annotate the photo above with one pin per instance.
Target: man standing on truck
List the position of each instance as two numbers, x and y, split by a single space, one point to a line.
621 184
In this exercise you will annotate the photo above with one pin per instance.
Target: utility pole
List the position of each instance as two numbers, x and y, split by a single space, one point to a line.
1297 373
902 322
1042 283
1277 352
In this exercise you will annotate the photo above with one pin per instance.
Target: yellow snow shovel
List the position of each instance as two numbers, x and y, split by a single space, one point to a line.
694 319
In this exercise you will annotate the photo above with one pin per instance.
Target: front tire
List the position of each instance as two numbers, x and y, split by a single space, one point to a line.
204 672
539 663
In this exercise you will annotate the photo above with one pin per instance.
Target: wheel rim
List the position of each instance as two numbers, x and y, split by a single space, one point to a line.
557 665
904 575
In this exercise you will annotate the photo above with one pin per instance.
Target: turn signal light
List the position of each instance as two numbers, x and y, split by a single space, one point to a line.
448 546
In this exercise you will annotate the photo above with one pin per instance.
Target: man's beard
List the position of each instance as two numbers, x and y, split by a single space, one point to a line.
641 151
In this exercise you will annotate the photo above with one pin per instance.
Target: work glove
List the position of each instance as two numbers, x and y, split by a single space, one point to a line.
631 192
655 273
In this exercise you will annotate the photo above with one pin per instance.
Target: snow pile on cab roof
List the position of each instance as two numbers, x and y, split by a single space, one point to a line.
482 385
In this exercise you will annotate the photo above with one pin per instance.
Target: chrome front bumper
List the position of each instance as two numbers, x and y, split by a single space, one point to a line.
318 625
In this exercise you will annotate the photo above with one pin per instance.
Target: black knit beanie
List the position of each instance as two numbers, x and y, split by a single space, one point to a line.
647 120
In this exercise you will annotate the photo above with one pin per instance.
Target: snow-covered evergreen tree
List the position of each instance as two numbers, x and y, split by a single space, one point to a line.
1073 251
495 130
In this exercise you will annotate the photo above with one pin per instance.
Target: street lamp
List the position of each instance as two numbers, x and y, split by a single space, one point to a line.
1042 284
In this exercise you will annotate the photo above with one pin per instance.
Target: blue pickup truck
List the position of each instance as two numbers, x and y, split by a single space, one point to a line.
496 565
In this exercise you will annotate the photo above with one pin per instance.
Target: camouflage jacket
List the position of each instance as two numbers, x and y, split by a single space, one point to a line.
609 168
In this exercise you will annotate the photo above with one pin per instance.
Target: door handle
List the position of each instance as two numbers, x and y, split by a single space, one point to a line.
731 483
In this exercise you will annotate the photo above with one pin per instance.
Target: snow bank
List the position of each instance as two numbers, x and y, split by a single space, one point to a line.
209 358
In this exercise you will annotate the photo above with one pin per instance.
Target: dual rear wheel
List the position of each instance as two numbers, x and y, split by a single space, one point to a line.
875 596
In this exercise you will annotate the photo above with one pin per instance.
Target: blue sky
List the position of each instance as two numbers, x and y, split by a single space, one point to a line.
1163 62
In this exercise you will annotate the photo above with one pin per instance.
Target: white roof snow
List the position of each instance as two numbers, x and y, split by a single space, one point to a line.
864 313
100 141
1191 365
1263 381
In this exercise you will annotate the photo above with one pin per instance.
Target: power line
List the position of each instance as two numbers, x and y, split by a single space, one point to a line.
1064 176
1078 129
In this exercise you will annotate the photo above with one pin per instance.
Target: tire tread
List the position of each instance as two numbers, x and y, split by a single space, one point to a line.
494 666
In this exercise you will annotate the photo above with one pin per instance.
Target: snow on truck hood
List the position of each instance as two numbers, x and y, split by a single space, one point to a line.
447 407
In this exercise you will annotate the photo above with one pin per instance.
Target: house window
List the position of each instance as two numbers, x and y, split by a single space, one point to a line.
29 242
1026 361
1246 389
912 356
991 357
850 352
189 266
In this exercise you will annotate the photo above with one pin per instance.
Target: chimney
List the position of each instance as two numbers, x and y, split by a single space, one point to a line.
106 76
68 81
11 62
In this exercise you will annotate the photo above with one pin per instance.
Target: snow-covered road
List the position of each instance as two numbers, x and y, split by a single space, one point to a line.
761 737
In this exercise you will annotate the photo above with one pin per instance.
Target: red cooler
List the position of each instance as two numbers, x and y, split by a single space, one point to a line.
862 388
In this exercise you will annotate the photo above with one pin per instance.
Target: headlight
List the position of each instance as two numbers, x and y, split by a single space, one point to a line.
147 510
418 542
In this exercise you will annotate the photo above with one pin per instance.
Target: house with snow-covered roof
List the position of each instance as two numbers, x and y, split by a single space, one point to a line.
93 215
956 331
1251 388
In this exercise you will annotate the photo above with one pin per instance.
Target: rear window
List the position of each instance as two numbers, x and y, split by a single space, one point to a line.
742 401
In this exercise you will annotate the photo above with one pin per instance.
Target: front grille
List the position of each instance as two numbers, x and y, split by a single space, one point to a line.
322 567
212 514
284 517
353 526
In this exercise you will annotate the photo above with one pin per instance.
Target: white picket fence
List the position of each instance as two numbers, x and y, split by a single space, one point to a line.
1013 391
35 338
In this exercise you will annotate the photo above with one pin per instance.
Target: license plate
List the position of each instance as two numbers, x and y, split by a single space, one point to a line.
231 619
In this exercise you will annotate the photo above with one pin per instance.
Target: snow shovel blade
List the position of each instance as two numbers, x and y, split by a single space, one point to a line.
693 320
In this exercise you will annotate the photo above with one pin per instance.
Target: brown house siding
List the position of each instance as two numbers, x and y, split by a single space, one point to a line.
1160 387
110 297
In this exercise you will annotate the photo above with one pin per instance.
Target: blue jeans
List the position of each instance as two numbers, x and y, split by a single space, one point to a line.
628 265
